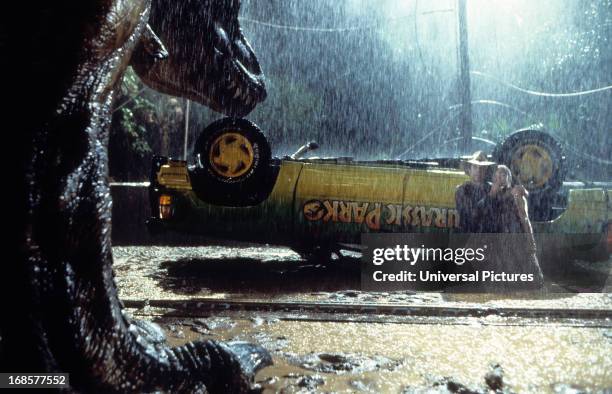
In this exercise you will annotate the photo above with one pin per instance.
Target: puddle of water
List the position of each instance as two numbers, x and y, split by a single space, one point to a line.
389 357
276 273
534 358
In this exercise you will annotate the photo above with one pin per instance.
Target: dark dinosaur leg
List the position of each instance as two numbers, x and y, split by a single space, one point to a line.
68 317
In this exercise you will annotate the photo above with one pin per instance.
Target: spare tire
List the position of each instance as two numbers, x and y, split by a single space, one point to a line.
537 162
232 163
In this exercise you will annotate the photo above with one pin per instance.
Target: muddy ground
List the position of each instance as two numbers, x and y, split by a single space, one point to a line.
327 352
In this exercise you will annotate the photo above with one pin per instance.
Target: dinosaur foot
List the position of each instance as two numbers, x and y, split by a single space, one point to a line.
251 357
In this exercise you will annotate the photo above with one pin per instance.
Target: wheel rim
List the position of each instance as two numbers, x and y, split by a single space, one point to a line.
532 165
231 155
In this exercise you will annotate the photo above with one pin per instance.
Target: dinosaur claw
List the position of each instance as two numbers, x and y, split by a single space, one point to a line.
251 357
153 45
233 366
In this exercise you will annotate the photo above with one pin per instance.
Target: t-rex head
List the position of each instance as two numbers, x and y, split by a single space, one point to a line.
209 60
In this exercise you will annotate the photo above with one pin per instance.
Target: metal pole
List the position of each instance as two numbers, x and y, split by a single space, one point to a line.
464 80
187 106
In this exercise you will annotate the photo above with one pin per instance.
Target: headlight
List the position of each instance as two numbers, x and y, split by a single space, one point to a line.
165 206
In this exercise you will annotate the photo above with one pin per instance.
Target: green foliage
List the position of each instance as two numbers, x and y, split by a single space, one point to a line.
129 146
134 133
130 124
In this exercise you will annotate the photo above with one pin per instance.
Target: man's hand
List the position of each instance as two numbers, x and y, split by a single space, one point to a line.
495 188
519 191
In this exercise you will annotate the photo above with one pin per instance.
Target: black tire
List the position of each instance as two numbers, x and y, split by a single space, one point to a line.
240 180
537 161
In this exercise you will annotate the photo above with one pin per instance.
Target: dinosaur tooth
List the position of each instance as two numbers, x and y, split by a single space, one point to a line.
237 94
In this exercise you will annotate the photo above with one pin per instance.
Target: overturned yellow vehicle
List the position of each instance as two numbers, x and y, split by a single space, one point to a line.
235 190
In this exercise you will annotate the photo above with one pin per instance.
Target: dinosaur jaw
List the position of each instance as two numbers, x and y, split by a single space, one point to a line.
236 96
218 68
240 93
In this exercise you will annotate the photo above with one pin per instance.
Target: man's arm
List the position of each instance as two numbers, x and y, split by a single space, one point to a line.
519 193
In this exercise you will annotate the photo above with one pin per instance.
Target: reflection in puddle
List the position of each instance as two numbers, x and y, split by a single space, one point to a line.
532 355
350 357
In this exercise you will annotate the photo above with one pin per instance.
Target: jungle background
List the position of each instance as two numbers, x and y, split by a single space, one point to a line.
378 79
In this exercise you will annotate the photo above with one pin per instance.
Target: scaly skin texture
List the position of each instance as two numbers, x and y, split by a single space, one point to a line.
63 314
229 81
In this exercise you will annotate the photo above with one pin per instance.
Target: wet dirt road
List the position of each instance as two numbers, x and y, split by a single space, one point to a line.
553 341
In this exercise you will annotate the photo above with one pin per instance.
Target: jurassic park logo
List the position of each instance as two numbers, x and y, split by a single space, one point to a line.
376 214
